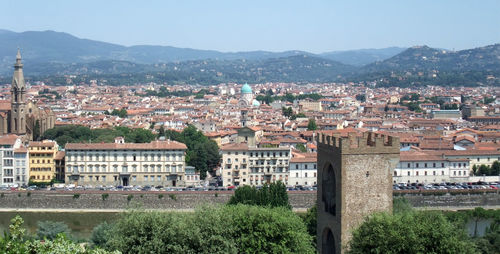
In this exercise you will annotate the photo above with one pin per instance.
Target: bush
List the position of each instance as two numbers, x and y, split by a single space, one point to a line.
50 229
311 221
272 195
2 195
160 196
129 198
226 229
76 196
410 232
172 196
28 194
105 196
101 234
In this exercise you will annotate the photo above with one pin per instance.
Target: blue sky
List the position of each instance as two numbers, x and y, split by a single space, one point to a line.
315 26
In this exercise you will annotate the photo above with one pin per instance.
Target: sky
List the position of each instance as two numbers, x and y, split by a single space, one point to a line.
236 25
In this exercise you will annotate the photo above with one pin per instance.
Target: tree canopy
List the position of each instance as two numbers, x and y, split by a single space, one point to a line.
270 195
225 229
78 134
202 153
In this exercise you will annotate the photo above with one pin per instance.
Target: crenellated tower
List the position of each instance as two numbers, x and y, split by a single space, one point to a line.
18 99
354 181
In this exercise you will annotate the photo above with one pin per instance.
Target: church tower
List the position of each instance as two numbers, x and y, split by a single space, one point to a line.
18 100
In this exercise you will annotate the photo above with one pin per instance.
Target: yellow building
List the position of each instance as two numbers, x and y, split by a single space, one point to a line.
41 159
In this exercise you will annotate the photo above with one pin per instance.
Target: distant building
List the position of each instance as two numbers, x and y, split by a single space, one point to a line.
303 171
13 164
120 163
446 114
41 160
422 167
21 117
246 165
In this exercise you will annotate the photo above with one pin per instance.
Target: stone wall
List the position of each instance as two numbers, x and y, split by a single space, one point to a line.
300 201
120 200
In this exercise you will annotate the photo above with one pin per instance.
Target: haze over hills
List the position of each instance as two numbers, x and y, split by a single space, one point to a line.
50 46
55 54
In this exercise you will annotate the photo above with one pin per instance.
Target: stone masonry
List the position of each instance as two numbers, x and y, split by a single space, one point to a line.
354 180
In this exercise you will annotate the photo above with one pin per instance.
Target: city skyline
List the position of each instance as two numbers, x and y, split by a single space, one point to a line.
226 26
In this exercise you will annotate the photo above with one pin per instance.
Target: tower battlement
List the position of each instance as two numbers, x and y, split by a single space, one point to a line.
368 143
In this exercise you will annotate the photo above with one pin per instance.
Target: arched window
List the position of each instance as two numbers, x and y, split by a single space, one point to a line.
329 190
328 242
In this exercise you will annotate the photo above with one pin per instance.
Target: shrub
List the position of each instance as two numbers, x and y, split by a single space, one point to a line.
160 196
105 196
50 229
216 194
226 229
172 196
101 234
272 195
130 197
28 194
2 195
76 196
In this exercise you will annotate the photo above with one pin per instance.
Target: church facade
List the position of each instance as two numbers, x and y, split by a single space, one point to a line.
22 117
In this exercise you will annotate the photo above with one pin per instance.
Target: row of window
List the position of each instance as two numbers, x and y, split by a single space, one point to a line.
145 168
434 165
146 178
41 161
38 177
417 173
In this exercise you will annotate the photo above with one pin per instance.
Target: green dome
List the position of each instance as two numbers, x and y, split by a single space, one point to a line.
246 89
256 103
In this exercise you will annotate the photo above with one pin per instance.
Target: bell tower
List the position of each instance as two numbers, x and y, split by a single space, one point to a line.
18 99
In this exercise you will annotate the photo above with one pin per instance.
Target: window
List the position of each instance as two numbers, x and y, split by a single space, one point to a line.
425 172
305 166
296 174
434 165
408 173
425 165
408 164
442 165
395 173
434 172
296 166
145 178
305 175
416 165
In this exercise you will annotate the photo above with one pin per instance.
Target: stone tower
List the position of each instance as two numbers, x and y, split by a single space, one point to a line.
18 100
354 180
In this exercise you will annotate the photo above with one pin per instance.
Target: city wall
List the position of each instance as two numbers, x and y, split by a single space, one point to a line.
300 201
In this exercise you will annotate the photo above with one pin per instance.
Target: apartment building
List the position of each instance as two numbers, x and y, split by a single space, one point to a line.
41 160
427 167
303 171
244 165
13 168
155 163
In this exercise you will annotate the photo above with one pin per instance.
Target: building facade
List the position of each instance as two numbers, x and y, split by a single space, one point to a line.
303 171
422 167
41 160
156 163
244 165
8 174
20 116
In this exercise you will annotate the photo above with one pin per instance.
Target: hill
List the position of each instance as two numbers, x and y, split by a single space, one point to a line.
362 56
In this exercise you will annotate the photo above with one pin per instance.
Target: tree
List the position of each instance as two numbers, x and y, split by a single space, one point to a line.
101 234
474 169
161 131
301 147
361 97
50 229
311 126
410 232
202 152
287 112
495 168
311 221
484 170
224 229
270 195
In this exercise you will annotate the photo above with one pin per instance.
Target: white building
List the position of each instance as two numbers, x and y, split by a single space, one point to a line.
244 165
156 163
13 166
303 171
425 167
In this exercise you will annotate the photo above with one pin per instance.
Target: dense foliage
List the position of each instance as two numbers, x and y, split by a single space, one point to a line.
202 153
15 241
226 229
270 195
311 125
410 232
78 133
50 229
